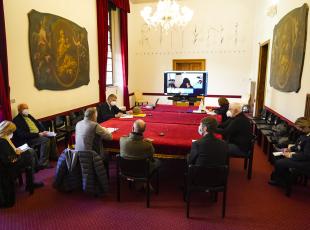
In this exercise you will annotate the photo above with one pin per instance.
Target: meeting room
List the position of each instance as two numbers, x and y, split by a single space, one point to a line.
154 114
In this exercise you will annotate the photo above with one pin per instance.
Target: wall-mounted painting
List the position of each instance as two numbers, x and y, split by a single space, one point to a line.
58 51
288 50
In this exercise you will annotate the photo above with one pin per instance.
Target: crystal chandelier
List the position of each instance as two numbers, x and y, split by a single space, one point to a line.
168 14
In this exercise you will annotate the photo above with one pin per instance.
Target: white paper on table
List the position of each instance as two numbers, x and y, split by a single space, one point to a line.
111 130
24 147
126 116
199 111
211 113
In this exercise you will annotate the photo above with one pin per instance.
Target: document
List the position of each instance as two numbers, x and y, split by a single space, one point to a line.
211 113
276 154
50 134
199 111
125 116
23 148
111 130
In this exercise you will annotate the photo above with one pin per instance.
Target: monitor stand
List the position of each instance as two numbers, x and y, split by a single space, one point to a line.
184 99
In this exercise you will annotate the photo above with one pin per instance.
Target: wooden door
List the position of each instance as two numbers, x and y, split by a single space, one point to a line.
261 81
307 107
189 64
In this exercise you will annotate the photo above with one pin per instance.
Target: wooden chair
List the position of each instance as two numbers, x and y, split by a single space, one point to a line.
206 179
248 158
296 174
136 171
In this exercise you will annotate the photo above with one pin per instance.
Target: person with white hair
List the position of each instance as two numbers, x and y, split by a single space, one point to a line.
14 160
29 130
237 130
89 134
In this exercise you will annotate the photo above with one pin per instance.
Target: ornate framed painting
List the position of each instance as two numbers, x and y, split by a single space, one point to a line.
58 51
288 50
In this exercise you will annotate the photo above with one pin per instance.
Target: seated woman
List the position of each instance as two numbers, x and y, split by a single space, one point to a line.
186 83
297 156
222 110
13 161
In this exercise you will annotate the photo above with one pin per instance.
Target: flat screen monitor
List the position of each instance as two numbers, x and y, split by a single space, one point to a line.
192 83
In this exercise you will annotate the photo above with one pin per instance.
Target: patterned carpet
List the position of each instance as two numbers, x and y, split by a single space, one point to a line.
250 205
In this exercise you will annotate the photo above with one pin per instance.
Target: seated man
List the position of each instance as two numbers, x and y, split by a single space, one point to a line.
30 131
89 134
237 131
297 156
208 150
136 147
109 109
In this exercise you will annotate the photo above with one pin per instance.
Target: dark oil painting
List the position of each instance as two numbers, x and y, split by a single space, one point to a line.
59 52
288 50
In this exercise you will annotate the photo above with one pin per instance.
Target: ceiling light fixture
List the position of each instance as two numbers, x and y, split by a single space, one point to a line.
168 14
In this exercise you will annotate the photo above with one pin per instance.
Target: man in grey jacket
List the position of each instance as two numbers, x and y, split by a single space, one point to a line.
89 134
136 147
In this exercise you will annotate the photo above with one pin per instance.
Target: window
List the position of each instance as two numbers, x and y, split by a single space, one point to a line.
109 79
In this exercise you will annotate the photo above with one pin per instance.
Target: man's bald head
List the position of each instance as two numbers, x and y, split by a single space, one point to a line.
21 107
139 126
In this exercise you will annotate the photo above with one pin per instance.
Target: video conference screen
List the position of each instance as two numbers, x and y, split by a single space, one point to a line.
192 83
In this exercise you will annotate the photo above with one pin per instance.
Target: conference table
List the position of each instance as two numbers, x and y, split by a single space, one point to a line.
172 133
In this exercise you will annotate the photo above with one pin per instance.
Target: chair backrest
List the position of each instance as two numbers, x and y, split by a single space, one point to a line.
133 168
75 117
48 125
138 95
270 118
202 176
264 114
60 121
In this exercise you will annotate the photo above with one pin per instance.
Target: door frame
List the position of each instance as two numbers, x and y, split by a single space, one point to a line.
262 75
202 63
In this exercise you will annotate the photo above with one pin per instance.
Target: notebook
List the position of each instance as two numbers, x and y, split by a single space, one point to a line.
111 130
24 147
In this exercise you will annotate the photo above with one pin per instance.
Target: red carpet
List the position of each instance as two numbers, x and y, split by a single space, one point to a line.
250 205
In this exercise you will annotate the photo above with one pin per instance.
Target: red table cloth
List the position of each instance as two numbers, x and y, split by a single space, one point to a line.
173 117
171 139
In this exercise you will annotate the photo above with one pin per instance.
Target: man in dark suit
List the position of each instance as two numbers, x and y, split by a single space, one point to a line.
109 109
30 131
208 151
296 156
237 131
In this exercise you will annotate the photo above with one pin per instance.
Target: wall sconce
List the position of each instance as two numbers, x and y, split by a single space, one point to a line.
273 8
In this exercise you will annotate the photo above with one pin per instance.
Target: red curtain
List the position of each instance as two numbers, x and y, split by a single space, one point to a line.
122 4
124 54
102 27
5 105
